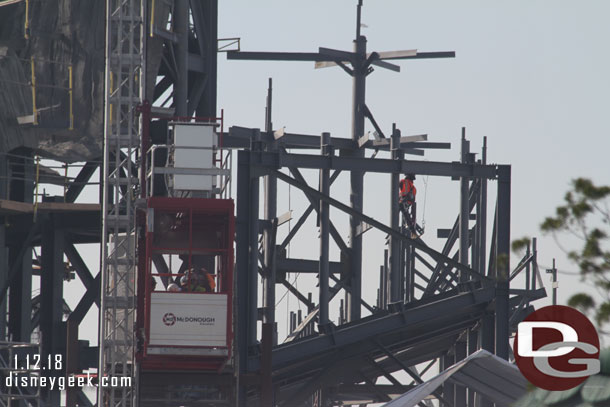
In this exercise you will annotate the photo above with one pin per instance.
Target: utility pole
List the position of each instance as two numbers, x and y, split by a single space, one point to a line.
553 272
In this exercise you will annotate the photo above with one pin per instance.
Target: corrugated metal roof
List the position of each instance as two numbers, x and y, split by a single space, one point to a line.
593 392
487 374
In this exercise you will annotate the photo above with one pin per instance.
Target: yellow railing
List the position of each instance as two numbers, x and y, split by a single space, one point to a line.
26 25
34 112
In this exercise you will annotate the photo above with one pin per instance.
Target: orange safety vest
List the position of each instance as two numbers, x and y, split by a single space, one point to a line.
407 191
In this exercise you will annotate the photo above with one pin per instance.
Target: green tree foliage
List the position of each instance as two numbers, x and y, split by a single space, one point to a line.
586 215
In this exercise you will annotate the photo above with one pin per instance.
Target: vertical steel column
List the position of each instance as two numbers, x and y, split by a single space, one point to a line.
553 273
410 276
486 339
4 270
385 281
472 348
460 391
503 261
253 244
20 303
181 28
464 239
464 208
535 260
207 106
4 265
20 300
353 298
528 267
396 293
482 213
242 270
446 361
475 233
269 271
270 186
326 150
51 290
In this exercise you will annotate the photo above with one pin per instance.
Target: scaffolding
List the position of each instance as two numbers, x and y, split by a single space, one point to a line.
13 368
125 68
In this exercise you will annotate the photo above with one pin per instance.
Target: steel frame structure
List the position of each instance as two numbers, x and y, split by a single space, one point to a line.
431 304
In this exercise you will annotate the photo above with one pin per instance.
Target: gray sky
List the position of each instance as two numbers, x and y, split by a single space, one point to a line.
532 76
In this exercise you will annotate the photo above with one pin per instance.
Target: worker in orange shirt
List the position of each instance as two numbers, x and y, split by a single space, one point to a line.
406 202
197 279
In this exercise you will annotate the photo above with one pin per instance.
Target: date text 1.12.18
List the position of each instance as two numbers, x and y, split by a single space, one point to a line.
36 362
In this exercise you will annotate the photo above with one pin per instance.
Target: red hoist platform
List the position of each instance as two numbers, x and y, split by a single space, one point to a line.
185 251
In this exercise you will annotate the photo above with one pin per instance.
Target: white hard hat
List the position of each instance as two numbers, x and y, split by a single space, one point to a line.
173 287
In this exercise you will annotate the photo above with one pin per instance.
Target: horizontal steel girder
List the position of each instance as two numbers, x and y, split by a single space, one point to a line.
276 160
437 313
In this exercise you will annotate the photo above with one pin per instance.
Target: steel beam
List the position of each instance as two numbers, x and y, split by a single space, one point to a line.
503 262
464 208
315 203
396 287
180 20
285 265
460 391
451 239
81 180
298 294
238 137
253 205
448 388
270 212
376 165
91 296
304 216
205 18
244 279
4 250
324 267
482 213
4 275
20 280
352 299
52 328
465 303
410 371
407 239
79 266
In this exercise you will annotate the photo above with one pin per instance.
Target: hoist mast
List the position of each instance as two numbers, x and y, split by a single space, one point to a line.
124 84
